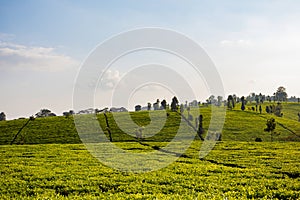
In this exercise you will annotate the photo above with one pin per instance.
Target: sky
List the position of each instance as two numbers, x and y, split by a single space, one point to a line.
254 45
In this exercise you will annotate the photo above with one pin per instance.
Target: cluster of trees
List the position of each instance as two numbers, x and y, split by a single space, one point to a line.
2 116
280 95
276 109
45 113
163 105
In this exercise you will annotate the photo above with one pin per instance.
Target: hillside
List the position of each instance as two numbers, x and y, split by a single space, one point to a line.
239 126
53 165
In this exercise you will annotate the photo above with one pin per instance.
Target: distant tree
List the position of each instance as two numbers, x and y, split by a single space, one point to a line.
262 98
234 99
188 110
194 103
66 114
174 104
260 109
257 99
181 108
164 104
45 113
281 94
252 97
138 107
219 99
156 105
211 99
2 116
267 109
271 125
71 112
200 130
149 106
243 103
278 110
230 102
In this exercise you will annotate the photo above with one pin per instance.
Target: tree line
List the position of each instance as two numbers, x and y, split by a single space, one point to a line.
279 96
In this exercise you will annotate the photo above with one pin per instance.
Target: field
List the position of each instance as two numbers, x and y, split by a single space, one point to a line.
53 164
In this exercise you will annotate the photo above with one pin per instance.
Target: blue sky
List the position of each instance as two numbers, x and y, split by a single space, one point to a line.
255 45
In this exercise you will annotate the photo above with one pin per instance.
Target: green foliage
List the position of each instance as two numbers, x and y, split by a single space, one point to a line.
57 166
233 170
271 125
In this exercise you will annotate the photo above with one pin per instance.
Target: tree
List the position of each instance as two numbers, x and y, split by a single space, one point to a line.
181 108
271 125
174 104
260 109
149 106
257 99
45 113
278 110
230 102
200 130
211 99
138 107
243 103
2 116
234 97
268 109
220 99
156 105
252 97
281 94
71 112
164 104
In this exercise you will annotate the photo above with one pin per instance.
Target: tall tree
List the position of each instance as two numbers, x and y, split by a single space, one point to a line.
174 104
156 105
149 106
2 116
163 104
243 103
230 102
211 99
281 94
220 99
271 125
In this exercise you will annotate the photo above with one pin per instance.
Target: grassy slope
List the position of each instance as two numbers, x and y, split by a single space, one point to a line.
234 169
239 126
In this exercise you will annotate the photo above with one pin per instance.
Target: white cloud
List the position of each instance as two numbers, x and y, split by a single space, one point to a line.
110 78
33 58
236 43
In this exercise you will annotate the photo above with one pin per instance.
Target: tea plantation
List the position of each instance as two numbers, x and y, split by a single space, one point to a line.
48 161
